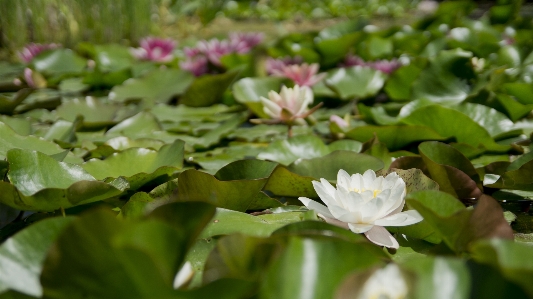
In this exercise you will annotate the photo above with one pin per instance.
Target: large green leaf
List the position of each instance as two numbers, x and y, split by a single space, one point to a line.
459 227
438 276
138 165
100 256
40 183
238 195
22 256
11 140
513 259
395 137
59 62
95 113
208 89
328 166
289 150
495 122
158 86
355 82
310 268
452 170
226 222
451 123
442 81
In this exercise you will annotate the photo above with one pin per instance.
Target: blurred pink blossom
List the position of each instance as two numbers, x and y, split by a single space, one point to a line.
302 74
197 65
385 66
244 42
154 49
341 122
29 78
31 50
278 64
214 49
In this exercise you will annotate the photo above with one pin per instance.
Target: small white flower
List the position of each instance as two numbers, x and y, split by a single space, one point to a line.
184 276
364 204
385 283
289 104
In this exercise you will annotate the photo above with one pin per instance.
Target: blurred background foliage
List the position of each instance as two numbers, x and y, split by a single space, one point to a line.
100 21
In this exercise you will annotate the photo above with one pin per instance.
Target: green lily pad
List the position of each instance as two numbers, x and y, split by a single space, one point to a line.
395 137
440 81
328 166
139 166
355 82
226 222
238 195
452 170
288 276
160 241
451 123
158 86
208 89
513 259
22 256
95 113
52 184
59 62
11 140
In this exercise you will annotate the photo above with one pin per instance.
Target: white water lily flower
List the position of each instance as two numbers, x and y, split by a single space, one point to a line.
385 283
294 101
364 204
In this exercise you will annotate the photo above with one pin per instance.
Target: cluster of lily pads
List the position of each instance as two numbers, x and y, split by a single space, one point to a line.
354 162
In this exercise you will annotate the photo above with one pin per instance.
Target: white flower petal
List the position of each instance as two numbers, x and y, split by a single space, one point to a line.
334 221
315 206
342 214
400 219
369 176
381 236
329 188
324 194
272 109
355 201
344 180
360 228
357 181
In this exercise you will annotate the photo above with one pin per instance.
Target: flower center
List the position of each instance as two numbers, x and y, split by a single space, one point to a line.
375 192
386 295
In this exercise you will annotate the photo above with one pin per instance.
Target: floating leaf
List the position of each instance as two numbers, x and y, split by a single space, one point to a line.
208 89
158 86
139 166
355 82
238 195
52 185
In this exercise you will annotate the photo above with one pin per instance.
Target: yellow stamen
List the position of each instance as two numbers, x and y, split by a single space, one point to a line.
376 192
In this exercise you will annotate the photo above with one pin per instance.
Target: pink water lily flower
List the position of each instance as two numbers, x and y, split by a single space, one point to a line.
197 65
364 204
302 74
154 49
272 64
289 104
214 49
244 42
31 50
385 66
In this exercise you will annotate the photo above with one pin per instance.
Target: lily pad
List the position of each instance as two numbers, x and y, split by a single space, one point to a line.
22 256
138 166
238 195
355 82
52 185
158 86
